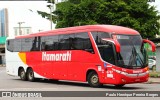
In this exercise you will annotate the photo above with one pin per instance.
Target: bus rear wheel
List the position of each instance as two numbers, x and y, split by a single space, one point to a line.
22 74
93 79
30 75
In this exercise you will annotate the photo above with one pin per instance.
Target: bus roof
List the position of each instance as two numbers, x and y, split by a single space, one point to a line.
113 29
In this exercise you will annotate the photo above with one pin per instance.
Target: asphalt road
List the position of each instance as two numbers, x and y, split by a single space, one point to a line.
10 83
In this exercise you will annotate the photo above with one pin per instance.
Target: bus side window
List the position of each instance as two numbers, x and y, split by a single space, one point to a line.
35 44
82 42
71 40
55 42
10 45
29 44
49 43
43 46
17 45
64 42
8 42
99 35
106 51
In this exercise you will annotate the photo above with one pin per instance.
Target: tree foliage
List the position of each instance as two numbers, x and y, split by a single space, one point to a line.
136 14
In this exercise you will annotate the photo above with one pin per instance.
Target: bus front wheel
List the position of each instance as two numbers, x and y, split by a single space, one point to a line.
93 79
22 74
30 75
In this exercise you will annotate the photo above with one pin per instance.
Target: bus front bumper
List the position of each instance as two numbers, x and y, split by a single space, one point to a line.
127 78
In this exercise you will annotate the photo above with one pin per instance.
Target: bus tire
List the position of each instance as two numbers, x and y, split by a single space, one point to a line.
22 74
93 79
30 75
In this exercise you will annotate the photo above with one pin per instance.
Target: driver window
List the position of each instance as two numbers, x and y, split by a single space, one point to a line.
107 52
99 35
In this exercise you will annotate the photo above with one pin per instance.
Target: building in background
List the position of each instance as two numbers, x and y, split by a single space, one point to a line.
4 32
4 22
22 31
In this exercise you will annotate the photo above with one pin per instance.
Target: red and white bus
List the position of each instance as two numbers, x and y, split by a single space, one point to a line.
98 54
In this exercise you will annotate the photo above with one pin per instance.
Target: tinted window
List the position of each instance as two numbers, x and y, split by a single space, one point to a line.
106 51
99 35
82 42
10 44
27 44
17 45
30 44
49 43
36 44
71 41
64 43
77 41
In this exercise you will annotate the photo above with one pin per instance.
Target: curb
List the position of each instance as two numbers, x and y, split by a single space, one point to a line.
153 80
150 82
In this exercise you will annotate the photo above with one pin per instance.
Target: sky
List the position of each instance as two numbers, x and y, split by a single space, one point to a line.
19 12
157 4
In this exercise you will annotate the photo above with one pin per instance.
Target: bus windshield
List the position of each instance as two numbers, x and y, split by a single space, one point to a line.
132 54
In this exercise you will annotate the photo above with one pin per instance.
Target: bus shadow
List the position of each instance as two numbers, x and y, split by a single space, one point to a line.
73 83
121 88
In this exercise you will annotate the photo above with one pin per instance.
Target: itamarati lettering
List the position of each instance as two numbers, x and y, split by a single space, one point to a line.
56 56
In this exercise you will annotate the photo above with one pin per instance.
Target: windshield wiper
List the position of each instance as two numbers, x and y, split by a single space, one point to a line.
140 59
134 58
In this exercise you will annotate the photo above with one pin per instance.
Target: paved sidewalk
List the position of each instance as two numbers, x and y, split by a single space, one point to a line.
153 80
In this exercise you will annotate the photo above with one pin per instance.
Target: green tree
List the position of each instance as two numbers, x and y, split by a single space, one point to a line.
136 14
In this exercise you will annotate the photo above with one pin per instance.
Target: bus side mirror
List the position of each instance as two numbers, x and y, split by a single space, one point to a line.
116 43
151 43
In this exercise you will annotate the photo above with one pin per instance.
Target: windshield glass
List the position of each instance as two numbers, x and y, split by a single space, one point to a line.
132 54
